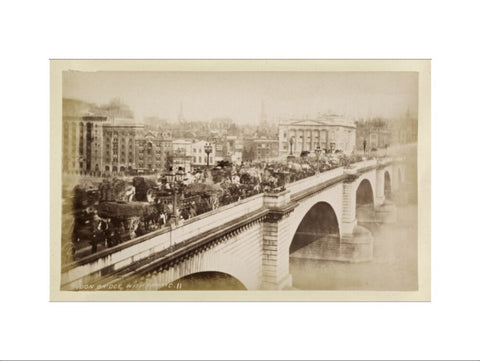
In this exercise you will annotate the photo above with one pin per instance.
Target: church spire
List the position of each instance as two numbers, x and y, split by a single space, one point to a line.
181 118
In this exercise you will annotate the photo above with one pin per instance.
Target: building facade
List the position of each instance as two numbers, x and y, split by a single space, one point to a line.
94 145
119 146
199 156
329 132
260 149
181 157
82 143
375 133
97 142
233 149
227 148
152 150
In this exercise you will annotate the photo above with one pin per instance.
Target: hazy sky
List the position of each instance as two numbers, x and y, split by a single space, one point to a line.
238 95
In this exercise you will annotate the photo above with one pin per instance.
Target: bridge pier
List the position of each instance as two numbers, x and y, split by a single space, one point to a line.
356 246
379 198
275 259
386 212
349 219
356 242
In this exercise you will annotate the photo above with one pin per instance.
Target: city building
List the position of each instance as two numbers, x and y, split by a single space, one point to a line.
227 148
260 149
200 156
82 143
376 133
330 132
219 147
181 156
97 139
233 149
152 150
119 146
82 137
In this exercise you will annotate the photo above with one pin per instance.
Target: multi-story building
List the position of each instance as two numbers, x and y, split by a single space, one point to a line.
107 143
82 144
260 149
82 137
181 156
330 132
152 150
119 146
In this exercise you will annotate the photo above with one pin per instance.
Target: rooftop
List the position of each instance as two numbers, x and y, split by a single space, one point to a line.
329 119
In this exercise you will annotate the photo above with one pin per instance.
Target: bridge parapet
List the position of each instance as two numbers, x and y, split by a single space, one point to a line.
364 164
218 216
102 263
275 200
302 184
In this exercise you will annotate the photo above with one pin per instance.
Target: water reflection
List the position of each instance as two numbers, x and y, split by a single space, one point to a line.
394 264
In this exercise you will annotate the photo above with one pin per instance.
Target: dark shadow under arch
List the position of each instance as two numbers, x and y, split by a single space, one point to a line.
208 281
364 193
320 221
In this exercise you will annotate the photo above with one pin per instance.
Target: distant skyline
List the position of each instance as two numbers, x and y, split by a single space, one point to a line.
239 95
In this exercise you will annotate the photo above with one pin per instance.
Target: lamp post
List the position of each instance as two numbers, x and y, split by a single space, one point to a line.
317 152
172 179
291 157
208 150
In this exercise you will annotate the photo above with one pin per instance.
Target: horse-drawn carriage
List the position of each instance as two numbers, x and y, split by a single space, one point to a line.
119 221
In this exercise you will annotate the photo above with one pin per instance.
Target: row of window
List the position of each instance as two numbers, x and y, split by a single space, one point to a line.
201 159
323 145
200 151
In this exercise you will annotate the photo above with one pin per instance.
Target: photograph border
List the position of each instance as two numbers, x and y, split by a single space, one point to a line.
423 67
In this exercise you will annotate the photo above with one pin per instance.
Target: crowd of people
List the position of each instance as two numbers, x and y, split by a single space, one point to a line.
118 210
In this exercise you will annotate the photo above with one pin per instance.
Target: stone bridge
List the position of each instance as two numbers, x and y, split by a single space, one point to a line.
252 240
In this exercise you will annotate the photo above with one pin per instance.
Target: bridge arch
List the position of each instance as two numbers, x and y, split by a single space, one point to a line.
314 238
209 280
333 196
365 201
214 262
320 221
364 193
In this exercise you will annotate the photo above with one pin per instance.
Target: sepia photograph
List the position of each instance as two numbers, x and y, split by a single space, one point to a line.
240 180
245 180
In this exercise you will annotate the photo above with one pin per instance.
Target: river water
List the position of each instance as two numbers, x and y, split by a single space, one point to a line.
393 267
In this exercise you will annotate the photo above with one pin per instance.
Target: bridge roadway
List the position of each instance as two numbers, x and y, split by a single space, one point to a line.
249 239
